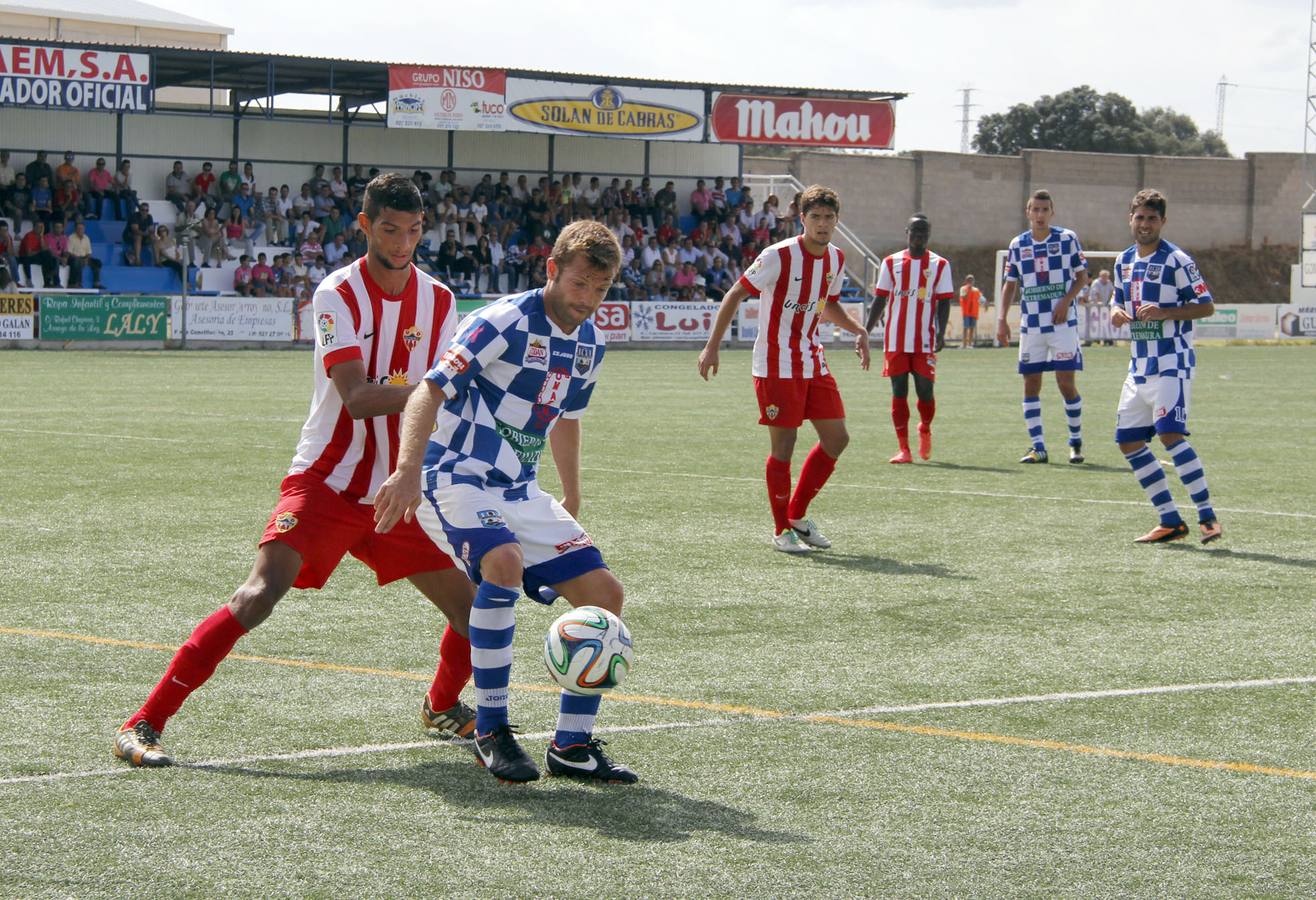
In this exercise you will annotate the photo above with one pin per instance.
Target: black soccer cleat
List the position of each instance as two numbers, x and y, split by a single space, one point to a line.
500 753
140 745
587 761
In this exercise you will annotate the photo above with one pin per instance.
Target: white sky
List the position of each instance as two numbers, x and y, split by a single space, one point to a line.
1155 53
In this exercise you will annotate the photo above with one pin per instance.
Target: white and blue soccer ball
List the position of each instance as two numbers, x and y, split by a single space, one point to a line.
588 651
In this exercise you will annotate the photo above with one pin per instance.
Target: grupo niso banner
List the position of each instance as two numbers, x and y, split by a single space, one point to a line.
446 98
233 318
75 78
17 315
601 110
74 317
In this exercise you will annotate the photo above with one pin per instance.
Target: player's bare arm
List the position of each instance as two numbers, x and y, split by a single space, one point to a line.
831 312
399 495
1002 326
1150 313
708 357
564 441
364 399
1061 311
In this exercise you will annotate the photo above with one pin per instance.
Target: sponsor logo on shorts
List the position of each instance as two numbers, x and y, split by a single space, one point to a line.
1160 412
490 518
465 553
536 353
285 522
772 411
1063 356
411 337
578 542
584 358
454 361
1154 272
324 323
1023 357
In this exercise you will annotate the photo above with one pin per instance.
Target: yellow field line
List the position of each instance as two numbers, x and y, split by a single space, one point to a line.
750 711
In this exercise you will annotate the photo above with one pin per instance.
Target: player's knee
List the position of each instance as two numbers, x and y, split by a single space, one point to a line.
253 602
1170 439
834 445
608 593
503 565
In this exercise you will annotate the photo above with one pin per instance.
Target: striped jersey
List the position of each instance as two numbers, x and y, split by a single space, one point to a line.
1167 278
397 338
791 285
508 375
912 287
1045 271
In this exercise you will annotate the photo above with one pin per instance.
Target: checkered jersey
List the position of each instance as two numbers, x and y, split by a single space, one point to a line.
508 375
1045 271
1167 278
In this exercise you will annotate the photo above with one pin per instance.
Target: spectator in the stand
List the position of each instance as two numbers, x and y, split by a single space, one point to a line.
303 202
729 233
617 225
627 196
335 252
315 273
325 208
539 249
32 251
684 276
448 261
610 198
203 187
503 189
167 252
229 182
18 202
187 230
236 233
357 244
497 258
302 229
655 282
734 194
57 244
317 180
285 208
210 240
7 173
628 250
39 168
651 253
687 253
477 215
745 218
283 277
642 204
301 285
587 204
8 260
80 258
125 198
268 211
249 177
668 231
262 278
521 190
701 200
66 171
748 253
671 259
311 248
136 231
718 279
538 277
357 181
717 198
242 279
338 190
632 279
664 202
517 263
43 201
178 187
68 201
253 225
100 187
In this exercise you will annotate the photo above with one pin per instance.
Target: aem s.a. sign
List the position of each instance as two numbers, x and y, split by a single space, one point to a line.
75 78
802 121
602 110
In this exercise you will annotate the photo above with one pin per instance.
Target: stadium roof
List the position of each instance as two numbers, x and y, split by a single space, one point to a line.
117 12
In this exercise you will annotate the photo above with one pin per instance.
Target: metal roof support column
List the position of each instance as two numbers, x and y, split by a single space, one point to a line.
118 138
347 133
647 147
237 123
552 150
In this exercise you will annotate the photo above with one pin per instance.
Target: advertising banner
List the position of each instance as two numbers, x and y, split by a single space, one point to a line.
1093 324
17 317
613 322
1296 320
747 321
72 317
1246 321
233 318
672 321
75 78
802 121
446 98
600 110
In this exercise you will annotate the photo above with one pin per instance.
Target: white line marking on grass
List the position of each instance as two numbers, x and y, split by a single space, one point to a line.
1077 695
333 752
949 491
121 437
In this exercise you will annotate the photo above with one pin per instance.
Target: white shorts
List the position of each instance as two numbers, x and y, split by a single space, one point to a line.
467 522
1157 406
1051 351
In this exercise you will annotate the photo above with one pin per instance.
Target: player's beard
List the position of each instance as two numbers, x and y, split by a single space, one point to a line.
380 259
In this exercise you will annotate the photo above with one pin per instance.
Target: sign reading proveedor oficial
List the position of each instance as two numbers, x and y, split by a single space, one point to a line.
446 98
802 122
94 318
75 78
602 110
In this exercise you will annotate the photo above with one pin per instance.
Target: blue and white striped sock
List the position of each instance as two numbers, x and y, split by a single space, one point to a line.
575 719
1152 478
1193 477
1033 421
493 622
1074 416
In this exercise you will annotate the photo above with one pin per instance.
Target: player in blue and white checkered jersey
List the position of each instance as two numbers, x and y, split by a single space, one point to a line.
1047 266
1158 294
519 374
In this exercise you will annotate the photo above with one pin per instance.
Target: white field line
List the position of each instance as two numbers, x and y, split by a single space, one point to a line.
332 752
120 437
922 490
1076 695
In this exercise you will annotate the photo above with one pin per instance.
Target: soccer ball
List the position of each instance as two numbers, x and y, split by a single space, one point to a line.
588 650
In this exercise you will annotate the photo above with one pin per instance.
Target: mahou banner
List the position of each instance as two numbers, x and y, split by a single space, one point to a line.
446 98
802 121
75 78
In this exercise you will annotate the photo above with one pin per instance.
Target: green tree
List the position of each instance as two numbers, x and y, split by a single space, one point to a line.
1083 120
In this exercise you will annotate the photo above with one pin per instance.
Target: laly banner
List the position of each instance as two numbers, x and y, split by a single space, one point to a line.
75 78
86 317
802 121
446 98
601 110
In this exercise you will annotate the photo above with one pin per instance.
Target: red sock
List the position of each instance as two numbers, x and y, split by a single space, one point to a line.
814 473
191 666
900 418
926 410
779 491
454 670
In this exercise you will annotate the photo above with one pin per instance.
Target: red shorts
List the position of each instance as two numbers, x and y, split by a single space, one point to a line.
321 525
787 402
897 362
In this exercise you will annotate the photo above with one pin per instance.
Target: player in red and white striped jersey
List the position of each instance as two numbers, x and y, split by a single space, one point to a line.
797 282
914 289
380 325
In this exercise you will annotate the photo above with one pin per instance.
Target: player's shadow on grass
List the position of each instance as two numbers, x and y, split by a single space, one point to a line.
883 566
637 812
1248 555
964 467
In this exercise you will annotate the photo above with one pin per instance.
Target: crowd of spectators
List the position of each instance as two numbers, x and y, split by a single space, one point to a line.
491 236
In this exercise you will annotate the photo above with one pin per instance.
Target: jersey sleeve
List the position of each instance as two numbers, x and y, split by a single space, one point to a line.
885 280
575 406
1077 260
944 289
838 277
1012 262
1117 297
762 272
336 340
1188 282
478 343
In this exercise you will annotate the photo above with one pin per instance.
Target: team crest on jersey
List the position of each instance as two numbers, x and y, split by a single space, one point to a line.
1025 252
285 522
324 323
772 411
411 337
1053 249
1126 271
1154 272
490 518
536 353
828 277
584 358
